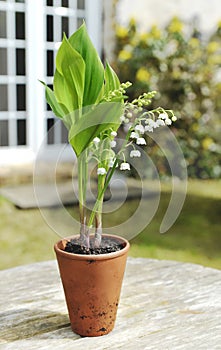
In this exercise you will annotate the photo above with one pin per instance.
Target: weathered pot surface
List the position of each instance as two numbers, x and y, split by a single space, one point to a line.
92 285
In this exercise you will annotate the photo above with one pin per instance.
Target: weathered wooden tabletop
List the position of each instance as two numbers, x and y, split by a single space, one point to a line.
164 305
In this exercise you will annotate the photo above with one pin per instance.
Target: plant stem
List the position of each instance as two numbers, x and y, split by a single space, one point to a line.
98 213
82 190
101 194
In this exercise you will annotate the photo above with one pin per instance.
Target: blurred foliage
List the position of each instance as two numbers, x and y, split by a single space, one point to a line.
185 68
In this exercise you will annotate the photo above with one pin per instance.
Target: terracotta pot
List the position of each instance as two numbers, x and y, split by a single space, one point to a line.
92 285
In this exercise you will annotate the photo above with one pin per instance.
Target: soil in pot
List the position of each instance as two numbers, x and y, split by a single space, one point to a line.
108 245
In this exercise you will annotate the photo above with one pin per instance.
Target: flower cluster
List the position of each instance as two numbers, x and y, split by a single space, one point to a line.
117 94
139 121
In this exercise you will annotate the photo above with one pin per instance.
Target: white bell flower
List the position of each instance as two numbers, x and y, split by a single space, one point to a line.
101 171
168 121
141 141
139 128
96 140
113 133
125 166
135 153
134 135
113 144
163 116
148 128
160 122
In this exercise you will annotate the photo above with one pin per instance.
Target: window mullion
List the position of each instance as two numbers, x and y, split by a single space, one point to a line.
35 72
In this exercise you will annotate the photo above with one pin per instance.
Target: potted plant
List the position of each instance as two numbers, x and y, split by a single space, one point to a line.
91 102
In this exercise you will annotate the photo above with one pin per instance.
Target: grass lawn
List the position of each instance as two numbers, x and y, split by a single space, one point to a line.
195 236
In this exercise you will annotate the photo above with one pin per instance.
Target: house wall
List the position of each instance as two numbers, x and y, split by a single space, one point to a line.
30 34
149 12
108 29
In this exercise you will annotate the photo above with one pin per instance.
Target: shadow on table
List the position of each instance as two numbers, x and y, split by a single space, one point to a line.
26 323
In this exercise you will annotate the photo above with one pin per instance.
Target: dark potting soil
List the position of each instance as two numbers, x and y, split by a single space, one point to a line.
108 245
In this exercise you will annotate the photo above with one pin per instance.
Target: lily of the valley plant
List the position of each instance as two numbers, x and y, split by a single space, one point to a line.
91 102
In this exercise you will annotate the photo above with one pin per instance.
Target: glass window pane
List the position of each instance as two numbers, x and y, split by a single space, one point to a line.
3 61
3 132
81 4
50 28
20 61
50 131
64 134
49 2
64 26
3 33
79 22
64 3
21 97
50 63
20 25
21 132
3 98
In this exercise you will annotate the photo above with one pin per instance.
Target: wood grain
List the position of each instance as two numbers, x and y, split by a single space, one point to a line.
164 304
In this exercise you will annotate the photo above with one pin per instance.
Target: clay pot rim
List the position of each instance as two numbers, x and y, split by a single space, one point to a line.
72 256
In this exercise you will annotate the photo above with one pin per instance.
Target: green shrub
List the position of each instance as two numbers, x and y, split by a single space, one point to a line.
186 70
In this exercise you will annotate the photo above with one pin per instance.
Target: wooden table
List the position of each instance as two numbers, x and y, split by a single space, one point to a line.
164 305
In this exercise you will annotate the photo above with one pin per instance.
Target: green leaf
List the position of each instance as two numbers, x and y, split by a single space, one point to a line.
69 76
58 109
55 106
94 72
111 79
94 121
112 83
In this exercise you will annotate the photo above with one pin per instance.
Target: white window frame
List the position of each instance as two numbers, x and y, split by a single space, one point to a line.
12 153
35 71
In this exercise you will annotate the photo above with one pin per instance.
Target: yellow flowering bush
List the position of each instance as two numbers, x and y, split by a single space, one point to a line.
124 55
186 70
121 32
142 74
213 46
175 26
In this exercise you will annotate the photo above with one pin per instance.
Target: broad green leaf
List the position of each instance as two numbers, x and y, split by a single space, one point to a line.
55 106
63 108
111 83
100 95
69 76
94 72
111 79
63 93
102 117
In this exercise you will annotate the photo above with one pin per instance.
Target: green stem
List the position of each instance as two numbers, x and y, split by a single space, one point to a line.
82 190
85 178
98 213
101 194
